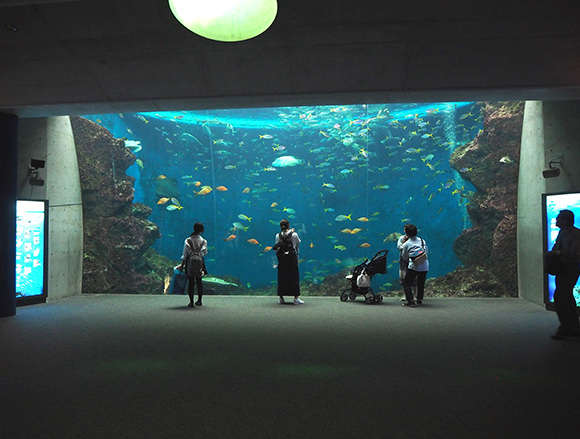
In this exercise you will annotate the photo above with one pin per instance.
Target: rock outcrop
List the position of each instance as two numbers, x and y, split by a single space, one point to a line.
491 163
117 234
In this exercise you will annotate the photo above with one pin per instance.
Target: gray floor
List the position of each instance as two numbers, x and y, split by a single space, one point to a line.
246 367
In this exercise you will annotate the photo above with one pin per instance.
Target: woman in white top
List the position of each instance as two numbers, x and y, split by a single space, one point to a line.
195 246
286 247
415 252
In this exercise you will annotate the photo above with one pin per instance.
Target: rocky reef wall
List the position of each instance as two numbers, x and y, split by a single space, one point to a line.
488 249
117 234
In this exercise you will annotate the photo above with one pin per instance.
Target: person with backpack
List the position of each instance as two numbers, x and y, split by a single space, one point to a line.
286 247
192 261
414 252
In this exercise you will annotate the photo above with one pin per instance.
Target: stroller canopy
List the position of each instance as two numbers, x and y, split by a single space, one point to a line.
378 264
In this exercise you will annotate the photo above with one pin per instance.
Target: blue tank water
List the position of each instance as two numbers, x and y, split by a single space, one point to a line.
347 177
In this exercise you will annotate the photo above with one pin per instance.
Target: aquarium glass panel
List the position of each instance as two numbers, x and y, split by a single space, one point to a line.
347 177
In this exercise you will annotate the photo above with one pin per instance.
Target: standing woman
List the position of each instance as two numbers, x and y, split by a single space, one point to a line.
194 250
415 252
286 247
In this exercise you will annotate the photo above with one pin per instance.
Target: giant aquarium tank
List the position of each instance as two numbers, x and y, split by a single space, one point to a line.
347 177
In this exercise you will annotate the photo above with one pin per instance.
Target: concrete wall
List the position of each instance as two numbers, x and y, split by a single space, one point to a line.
550 132
52 139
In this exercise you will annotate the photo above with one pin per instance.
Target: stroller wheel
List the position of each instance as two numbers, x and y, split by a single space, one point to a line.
370 300
379 298
344 296
352 295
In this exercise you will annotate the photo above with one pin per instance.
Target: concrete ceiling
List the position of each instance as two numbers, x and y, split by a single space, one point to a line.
89 56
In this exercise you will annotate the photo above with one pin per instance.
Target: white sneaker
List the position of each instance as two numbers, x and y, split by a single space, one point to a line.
281 300
298 302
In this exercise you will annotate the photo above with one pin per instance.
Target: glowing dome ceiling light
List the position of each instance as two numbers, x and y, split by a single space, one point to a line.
225 20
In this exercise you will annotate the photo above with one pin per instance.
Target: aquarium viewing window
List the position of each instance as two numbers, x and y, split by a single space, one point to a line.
31 245
347 177
225 20
552 204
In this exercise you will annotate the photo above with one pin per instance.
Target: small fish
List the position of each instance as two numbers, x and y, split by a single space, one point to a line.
173 207
246 190
363 219
221 188
328 185
505 159
289 210
244 217
274 204
160 177
175 201
347 231
139 163
239 226
252 241
266 136
311 245
343 218
229 238
392 237
163 200
229 167
267 249
203 191
340 247
364 245
465 116
355 231
465 169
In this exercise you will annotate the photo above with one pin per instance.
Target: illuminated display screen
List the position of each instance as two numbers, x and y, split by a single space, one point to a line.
553 204
31 225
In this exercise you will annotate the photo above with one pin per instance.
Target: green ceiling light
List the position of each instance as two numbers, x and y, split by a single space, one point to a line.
225 20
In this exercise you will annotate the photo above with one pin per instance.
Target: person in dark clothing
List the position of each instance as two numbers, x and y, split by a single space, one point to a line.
567 248
195 246
286 247
414 251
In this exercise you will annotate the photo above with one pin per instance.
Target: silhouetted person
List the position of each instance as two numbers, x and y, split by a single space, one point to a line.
567 247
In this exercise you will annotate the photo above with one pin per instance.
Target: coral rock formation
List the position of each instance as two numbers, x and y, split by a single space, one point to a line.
116 232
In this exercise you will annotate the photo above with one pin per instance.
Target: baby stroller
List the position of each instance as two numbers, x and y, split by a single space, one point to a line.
360 279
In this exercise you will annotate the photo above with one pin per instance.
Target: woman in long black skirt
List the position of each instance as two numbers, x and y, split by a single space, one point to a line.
286 247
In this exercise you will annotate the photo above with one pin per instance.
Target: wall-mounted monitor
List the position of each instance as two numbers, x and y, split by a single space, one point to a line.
31 251
552 204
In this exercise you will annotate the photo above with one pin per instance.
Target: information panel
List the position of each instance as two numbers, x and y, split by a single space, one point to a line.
31 245
552 205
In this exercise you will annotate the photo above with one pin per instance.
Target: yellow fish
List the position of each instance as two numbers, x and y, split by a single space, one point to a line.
267 249
364 245
221 188
274 204
252 241
340 247
346 231
203 191
246 190
163 200
363 219
355 231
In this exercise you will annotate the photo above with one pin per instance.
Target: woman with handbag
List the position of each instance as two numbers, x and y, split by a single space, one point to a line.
415 252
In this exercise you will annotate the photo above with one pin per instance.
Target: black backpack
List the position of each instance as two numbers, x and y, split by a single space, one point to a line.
285 246
194 262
